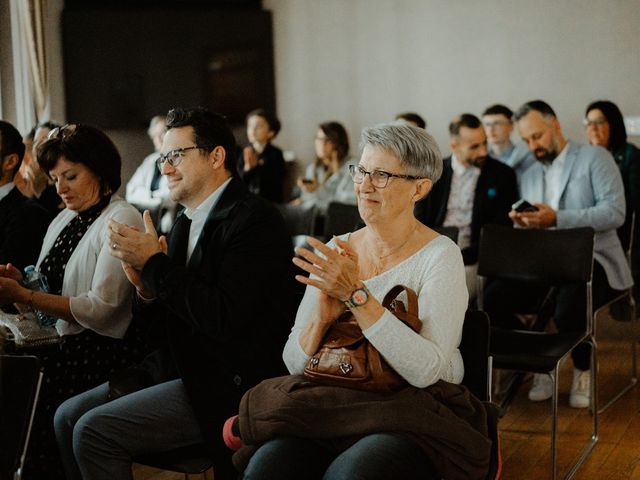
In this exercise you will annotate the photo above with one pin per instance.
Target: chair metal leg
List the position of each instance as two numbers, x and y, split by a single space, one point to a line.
633 322
510 394
554 422
594 409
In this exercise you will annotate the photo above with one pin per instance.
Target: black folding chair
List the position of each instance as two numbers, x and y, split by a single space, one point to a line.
299 219
627 303
474 348
20 380
451 232
548 257
341 218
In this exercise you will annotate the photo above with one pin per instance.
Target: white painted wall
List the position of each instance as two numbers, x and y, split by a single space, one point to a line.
362 61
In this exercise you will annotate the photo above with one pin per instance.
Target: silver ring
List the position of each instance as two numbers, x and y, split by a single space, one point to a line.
115 247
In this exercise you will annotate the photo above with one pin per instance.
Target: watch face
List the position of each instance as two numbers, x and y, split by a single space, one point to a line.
359 297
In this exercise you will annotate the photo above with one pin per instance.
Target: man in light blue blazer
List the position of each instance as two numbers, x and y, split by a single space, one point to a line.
571 185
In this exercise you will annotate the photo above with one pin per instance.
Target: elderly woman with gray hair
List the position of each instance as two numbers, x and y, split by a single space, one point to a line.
398 167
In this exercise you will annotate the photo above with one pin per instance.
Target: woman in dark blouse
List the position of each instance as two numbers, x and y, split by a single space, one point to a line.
605 127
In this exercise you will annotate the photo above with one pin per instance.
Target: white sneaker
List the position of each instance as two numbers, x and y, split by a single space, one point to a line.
580 389
542 387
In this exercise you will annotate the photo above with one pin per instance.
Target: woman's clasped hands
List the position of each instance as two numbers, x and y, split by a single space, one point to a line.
334 273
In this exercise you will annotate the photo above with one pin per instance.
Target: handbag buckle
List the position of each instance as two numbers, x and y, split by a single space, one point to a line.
345 368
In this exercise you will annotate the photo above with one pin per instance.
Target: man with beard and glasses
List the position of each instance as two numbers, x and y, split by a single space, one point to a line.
571 185
474 190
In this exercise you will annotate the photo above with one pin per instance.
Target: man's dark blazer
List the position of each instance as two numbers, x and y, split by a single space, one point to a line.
496 191
226 315
23 224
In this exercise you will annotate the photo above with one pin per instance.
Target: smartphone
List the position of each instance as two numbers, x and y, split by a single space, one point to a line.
307 181
523 206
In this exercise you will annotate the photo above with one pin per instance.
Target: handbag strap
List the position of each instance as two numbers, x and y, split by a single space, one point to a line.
409 317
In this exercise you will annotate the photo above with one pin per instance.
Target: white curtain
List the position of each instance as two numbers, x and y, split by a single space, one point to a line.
30 62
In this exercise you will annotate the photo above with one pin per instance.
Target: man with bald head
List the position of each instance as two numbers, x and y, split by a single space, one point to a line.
571 185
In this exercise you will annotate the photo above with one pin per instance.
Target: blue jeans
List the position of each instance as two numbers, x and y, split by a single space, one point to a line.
97 438
378 456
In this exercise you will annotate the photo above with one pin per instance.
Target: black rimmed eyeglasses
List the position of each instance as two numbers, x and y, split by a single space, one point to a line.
379 178
174 157
62 132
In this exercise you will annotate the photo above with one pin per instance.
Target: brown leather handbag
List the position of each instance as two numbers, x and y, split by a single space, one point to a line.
347 359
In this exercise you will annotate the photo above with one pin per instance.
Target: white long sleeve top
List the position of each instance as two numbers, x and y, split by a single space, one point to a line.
436 273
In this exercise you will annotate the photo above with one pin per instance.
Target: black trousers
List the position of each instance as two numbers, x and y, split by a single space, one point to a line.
502 300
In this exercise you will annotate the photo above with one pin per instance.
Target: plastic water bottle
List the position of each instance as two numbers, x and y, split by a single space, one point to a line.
37 281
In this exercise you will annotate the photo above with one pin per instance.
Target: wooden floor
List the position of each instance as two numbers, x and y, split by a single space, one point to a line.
616 456
525 427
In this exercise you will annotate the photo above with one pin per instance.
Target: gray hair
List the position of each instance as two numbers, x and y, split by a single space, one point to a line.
417 151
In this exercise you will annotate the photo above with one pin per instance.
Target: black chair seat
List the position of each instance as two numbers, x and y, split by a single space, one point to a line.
536 352
192 459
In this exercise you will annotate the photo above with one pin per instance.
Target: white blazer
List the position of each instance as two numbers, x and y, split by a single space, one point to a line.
99 293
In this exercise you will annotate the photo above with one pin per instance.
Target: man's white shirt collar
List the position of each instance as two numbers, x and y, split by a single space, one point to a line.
5 189
198 216
553 176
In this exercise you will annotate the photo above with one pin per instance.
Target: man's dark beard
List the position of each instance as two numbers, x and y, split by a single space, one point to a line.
478 161
547 157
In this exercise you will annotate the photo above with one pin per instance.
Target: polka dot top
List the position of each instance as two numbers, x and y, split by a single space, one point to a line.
55 262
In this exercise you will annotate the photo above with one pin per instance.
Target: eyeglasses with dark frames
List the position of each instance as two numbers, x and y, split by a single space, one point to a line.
379 178
62 132
174 157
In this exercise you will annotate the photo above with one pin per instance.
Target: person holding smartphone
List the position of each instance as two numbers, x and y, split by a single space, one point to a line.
571 185
327 179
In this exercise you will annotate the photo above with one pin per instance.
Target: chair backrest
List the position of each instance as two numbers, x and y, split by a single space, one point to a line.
548 256
20 379
299 219
341 218
451 232
474 348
